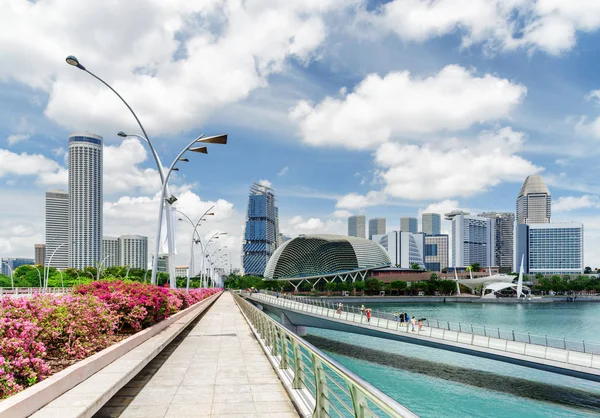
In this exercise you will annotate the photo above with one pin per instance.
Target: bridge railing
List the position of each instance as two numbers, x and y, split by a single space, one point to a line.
16 291
336 391
385 320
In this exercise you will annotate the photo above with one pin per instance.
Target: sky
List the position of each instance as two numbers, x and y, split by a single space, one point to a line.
383 108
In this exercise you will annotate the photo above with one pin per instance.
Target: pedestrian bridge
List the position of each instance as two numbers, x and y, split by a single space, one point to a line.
304 312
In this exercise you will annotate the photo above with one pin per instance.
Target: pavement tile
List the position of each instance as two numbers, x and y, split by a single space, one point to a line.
232 408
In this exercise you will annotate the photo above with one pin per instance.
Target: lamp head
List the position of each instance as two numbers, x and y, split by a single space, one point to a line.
175 169
185 160
201 150
71 60
212 213
122 134
171 200
216 139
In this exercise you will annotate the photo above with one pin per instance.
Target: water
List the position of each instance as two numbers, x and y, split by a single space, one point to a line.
438 383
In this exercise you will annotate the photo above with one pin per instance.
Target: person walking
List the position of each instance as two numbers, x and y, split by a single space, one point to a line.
368 315
396 316
413 323
339 309
406 319
362 309
402 317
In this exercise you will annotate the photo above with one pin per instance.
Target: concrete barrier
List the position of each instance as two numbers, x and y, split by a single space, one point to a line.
47 391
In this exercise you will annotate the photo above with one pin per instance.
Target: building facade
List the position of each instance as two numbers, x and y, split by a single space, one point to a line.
403 248
111 252
85 200
534 201
409 224
431 223
356 226
39 251
133 251
163 263
503 246
57 229
13 263
436 252
181 271
550 248
261 234
376 227
473 241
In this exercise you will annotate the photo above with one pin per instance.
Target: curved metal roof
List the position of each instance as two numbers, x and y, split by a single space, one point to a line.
534 184
312 255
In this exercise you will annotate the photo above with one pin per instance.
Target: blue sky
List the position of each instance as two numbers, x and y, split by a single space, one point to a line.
345 107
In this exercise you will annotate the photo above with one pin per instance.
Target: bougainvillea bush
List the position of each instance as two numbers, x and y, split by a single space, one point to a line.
75 326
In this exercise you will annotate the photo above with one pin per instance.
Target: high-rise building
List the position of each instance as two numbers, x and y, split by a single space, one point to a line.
503 247
376 227
162 266
133 251
356 226
261 235
39 251
181 271
403 248
57 229
409 224
550 248
111 252
473 240
85 200
436 252
534 202
13 263
431 223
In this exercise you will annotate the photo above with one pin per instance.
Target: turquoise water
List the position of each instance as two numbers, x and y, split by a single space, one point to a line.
438 383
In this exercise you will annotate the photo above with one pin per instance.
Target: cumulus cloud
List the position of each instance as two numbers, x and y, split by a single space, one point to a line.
568 203
297 225
342 213
45 170
265 183
442 207
398 104
358 201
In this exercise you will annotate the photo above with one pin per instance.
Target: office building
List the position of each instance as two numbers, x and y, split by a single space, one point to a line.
436 252
85 200
261 234
111 252
163 263
409 224
57 229
356 226
550 248
14 263
473 240
431 223
181 271
133 251
39 251
376 227
503 246
403 248
533 202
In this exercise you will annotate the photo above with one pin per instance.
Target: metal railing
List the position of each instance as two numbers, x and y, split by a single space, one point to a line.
16 291
336 391
566 353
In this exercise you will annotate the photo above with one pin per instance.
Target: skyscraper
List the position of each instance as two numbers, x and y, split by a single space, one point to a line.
111 252
473 240
356 226
39 251
436 252
431 223
376 227
503 246
261 235
403 248
409 224
133 251
533 202
57 229
85 200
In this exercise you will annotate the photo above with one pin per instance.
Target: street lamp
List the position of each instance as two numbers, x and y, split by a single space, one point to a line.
47 275
100 266
194 241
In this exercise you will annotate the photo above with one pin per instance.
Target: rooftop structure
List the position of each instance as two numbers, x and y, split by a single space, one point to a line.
534 201
409 224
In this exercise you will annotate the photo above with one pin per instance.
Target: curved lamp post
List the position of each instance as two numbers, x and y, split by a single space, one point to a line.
205 255
209 256
100 266
39 275
47 275
194 241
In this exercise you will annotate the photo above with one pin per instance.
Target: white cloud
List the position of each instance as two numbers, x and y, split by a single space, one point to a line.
380 109
265 183
442 207
342 213
547 25
16 138
297 225
283 171
358 201
568 203
45 170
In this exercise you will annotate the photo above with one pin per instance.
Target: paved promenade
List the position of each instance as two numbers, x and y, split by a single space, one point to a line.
217 370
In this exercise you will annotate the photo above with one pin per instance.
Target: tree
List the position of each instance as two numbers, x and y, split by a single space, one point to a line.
330 286
415 266
398 285
475 267
433 276
373 285
447 286
359 286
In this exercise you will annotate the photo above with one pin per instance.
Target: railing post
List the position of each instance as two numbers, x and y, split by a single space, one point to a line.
513 335
584 346
529 337
298 366
459 327
273 335
322 403
284 353
565 343
358 401
484 332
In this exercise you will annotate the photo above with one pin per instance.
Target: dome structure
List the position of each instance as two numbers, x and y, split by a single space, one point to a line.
316 255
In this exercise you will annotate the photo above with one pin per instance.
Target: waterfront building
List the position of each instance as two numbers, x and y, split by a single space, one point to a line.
111 252
356 226
436 252
473 240
376 227
181 271
431 223
409 224
133 251
403 248
14 263
503 246
261 234
85 200
57 229
550 248
534 202
39 251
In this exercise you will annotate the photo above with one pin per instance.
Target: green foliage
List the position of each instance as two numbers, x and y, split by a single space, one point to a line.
359 286
474 267
398 285
566 284
433 276
235 281
331 286
415 266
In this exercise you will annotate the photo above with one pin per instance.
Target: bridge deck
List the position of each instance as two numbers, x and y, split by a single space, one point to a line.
218 369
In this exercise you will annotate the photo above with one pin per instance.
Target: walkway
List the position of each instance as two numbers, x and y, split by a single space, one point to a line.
217 370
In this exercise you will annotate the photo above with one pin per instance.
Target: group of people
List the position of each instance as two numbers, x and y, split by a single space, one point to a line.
405 318
366 312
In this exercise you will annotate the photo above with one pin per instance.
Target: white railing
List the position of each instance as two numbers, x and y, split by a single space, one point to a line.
23 291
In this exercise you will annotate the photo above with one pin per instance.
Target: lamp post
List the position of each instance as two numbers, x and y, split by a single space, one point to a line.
47 275
219 248
194 241
216 235
100 266
12 278
39 275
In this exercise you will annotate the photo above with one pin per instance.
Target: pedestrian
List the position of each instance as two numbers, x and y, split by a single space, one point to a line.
420 324
406 319
402 317
277 295
413 323
368 312
396 316
362 309
339 309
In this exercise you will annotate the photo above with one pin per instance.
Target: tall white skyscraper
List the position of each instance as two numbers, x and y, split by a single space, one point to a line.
473 240
431 223
534 202
356 226
111 252
503 247
409 224
57 229
134 251
85 200
376 227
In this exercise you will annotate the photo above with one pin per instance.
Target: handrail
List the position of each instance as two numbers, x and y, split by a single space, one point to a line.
336 390
7 291
351 314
